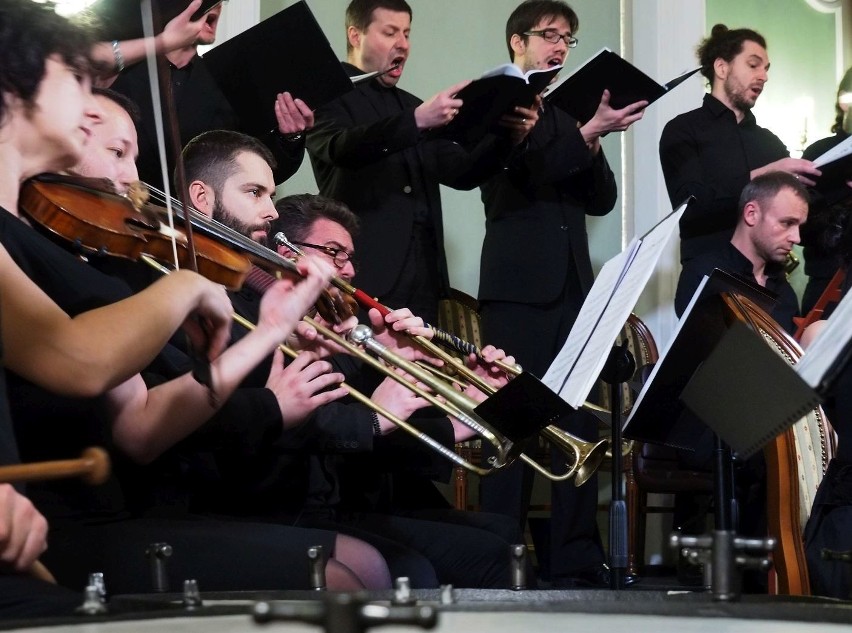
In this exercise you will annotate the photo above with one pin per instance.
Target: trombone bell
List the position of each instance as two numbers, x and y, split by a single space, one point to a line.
587 455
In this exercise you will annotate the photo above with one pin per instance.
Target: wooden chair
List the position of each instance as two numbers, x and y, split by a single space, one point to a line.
642 346
459 315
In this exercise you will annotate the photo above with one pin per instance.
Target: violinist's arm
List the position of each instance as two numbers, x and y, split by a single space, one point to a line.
179 33
96 350
148 422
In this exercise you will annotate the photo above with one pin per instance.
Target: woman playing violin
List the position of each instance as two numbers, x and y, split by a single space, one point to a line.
45 124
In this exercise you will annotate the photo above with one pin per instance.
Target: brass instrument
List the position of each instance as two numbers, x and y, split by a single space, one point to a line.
587 455
399 422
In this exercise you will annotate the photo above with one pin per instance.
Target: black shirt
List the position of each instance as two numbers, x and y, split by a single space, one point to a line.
731 260
201 107
818 262
705 153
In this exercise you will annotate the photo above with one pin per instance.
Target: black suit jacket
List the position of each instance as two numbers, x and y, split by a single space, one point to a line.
387 172
535 226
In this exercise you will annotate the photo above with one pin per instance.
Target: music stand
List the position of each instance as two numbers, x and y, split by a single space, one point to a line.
707 378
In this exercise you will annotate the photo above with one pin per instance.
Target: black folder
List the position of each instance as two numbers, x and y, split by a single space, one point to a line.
286 52
487 99
122 19
522 407
579 94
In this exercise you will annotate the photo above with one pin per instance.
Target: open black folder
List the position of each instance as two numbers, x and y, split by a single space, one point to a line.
122 19
579 94
487 99
253 67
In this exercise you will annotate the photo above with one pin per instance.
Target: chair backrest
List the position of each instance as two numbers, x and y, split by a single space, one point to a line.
642 346
459 314
796 461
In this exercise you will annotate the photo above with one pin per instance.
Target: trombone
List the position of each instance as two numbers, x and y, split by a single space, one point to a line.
587 455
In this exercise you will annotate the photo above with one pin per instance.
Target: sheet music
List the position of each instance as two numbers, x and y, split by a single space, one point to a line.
614 293
634 279
835 153
825 348
587 320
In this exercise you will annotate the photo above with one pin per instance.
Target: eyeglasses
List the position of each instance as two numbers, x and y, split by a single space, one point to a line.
552 37
338 255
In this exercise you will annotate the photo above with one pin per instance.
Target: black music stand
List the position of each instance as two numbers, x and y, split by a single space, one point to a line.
707 376
619 368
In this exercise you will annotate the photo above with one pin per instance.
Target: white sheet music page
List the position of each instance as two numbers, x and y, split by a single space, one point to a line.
835 153
614 293
825 348
587 320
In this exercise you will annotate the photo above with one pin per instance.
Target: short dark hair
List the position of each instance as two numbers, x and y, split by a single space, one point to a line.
121 100
30 32
359 13
211 157
764 188
531 12
724 43
297 214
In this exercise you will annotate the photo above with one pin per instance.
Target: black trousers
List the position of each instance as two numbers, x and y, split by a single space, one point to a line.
435 546
220 555
534 334
26 597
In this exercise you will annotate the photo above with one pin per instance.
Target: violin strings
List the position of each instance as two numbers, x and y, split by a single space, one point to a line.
227 234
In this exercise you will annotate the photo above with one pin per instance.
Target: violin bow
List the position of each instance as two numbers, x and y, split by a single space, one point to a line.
162 94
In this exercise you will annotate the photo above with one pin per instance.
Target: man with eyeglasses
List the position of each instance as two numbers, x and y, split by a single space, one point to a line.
346 465
371 150
537 209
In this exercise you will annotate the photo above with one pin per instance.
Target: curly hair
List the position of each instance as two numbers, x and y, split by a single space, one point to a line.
726 44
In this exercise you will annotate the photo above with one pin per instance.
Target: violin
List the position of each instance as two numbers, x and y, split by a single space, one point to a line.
335 305
86 212
99 221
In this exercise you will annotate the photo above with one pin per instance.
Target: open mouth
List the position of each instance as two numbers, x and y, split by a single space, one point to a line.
396 65
554 61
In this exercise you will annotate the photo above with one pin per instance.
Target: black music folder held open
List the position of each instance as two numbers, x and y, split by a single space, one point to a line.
579 94
487 99
122 19
253 67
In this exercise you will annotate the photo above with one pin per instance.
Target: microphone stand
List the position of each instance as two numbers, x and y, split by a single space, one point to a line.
619 368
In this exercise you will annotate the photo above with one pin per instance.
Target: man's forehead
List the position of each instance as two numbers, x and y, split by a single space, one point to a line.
382 17
324 230
753 49
252 169
552 22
